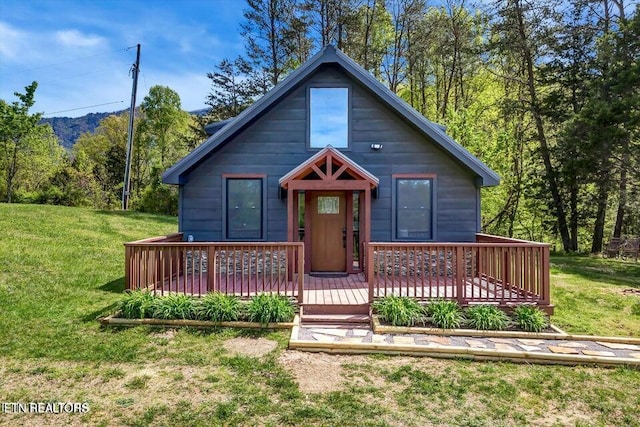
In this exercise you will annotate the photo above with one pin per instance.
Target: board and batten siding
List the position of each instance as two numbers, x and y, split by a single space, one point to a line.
276 143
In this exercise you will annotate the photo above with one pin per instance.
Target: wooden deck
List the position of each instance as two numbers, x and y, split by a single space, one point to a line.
493 270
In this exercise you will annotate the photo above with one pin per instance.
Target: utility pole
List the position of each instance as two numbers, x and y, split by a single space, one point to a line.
135 69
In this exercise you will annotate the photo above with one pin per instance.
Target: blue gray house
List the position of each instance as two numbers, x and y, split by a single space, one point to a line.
332 190
333 158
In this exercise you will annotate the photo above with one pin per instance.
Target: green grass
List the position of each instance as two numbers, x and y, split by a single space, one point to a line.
587 293
60 268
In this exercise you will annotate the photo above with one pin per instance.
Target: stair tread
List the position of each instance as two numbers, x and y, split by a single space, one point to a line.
338 316
336 319
335 309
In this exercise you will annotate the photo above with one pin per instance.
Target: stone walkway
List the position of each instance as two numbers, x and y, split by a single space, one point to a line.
360 339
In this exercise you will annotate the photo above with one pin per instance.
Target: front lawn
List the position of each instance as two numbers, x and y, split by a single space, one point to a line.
588 293
62 267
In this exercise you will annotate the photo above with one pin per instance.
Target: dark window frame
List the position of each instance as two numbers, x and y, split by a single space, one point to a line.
394 210
308 113
225 205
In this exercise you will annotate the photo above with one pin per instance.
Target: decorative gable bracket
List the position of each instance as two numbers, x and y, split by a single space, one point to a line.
328 169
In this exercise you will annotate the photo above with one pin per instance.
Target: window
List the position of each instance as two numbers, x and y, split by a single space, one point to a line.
328 117
244 218
328 205
414 208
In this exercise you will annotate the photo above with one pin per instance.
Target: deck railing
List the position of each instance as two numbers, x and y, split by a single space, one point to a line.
169 265
493 270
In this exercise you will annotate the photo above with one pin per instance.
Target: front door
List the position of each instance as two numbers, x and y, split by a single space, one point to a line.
328 222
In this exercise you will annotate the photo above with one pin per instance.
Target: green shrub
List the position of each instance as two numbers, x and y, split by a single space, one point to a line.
445 314
174 306
137 304
219 307
398 311
530 318
268 308
486 317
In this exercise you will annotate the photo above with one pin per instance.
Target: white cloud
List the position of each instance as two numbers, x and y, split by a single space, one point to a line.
11 41
75 38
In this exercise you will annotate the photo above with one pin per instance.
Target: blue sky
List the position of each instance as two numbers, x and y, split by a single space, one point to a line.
77 50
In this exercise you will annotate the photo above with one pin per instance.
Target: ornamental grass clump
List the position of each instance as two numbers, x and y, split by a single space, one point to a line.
219 307
445 314
137 304
530 319
268 308
486 317
399 311
174 306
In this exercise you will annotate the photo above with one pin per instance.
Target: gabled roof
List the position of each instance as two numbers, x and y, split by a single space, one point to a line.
331 55
214 127
325 156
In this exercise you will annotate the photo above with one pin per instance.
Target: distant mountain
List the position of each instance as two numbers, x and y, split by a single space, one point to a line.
68 129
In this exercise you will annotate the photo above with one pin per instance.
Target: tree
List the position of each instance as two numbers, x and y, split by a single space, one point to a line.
105 153
232 89
327 19
20 134
368 34
162 123
521 28
267 34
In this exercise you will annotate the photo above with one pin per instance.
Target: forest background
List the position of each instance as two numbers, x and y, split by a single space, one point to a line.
546 93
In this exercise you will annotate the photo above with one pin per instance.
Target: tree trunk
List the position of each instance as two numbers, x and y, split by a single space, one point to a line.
542 139
573 220
598 226
622 201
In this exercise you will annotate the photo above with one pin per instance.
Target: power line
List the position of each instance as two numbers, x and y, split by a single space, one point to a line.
65 62
82 108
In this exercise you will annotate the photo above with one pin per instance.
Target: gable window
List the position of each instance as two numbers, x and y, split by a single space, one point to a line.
413 208
244 208
328 117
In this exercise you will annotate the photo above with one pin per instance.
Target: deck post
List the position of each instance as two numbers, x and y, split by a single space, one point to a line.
127 267
300 253
459 275
369 275
211 268
292 229
544 276
367 215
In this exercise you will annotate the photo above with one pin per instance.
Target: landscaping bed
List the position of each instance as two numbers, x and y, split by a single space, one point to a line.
117 320
380 327
406 312
265 311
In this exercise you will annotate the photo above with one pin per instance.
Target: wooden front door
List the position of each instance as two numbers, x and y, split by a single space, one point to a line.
328 222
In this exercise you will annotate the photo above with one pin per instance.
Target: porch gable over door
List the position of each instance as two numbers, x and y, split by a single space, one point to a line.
328 169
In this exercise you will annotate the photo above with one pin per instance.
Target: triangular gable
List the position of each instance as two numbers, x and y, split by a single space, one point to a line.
328 157
331 55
